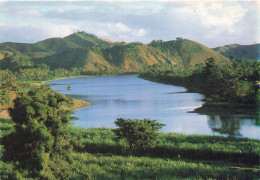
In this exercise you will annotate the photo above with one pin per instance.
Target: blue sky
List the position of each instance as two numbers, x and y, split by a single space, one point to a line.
213 24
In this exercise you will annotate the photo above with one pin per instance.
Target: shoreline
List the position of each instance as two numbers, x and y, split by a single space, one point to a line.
78 104
209 108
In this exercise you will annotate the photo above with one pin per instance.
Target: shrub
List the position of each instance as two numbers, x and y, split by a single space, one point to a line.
140 134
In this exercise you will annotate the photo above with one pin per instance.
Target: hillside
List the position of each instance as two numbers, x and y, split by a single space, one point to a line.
54 45
242 51
89 53
186 52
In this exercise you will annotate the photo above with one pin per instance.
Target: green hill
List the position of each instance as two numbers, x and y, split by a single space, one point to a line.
242 51
55 45
87 40
90 53
186 52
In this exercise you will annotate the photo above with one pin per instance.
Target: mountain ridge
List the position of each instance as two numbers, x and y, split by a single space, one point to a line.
92 54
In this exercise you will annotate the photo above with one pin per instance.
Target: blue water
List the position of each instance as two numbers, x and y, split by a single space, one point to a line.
134 98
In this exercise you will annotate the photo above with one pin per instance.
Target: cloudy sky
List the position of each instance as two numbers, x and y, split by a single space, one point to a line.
210 23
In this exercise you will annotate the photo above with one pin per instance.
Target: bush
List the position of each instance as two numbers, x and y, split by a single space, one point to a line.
140 134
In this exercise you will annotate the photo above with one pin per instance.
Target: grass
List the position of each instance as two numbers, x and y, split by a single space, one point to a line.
172 145
99 155
131 167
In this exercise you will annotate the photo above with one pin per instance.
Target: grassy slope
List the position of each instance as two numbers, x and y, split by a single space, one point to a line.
243 51
188 53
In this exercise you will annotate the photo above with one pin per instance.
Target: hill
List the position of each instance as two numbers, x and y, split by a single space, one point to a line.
55 45
89 53
133 57
242 51
186 52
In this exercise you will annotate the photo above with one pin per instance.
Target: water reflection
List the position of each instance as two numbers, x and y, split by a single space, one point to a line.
225 125
232 125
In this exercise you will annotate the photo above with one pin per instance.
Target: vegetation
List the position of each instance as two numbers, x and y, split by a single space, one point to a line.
86 54
241 51
40 142
140 134
5 97
7 83
230 83
98 155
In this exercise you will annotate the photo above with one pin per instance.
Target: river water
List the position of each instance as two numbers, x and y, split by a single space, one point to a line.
130 97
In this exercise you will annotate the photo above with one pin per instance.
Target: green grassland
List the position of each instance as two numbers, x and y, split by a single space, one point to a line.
98 154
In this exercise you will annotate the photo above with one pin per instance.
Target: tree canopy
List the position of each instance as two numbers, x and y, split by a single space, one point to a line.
41 138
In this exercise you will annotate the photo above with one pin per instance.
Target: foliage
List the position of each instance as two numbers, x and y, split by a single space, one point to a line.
140 134
7 80
41 137
234 82
5 97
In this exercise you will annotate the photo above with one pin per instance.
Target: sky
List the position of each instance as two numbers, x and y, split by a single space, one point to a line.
212 23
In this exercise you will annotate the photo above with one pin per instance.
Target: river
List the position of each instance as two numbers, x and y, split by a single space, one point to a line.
130 97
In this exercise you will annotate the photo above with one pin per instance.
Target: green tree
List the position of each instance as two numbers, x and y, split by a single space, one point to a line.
40 142
68 89
140 134
7 80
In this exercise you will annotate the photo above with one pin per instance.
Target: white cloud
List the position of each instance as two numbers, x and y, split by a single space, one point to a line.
218 15
210 20
121 27
141 32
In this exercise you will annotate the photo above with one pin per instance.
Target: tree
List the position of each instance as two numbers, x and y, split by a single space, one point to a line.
40 142
68 89
7 80
140 134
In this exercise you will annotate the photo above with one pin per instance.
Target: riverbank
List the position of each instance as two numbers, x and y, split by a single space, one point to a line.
210 107
28 84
